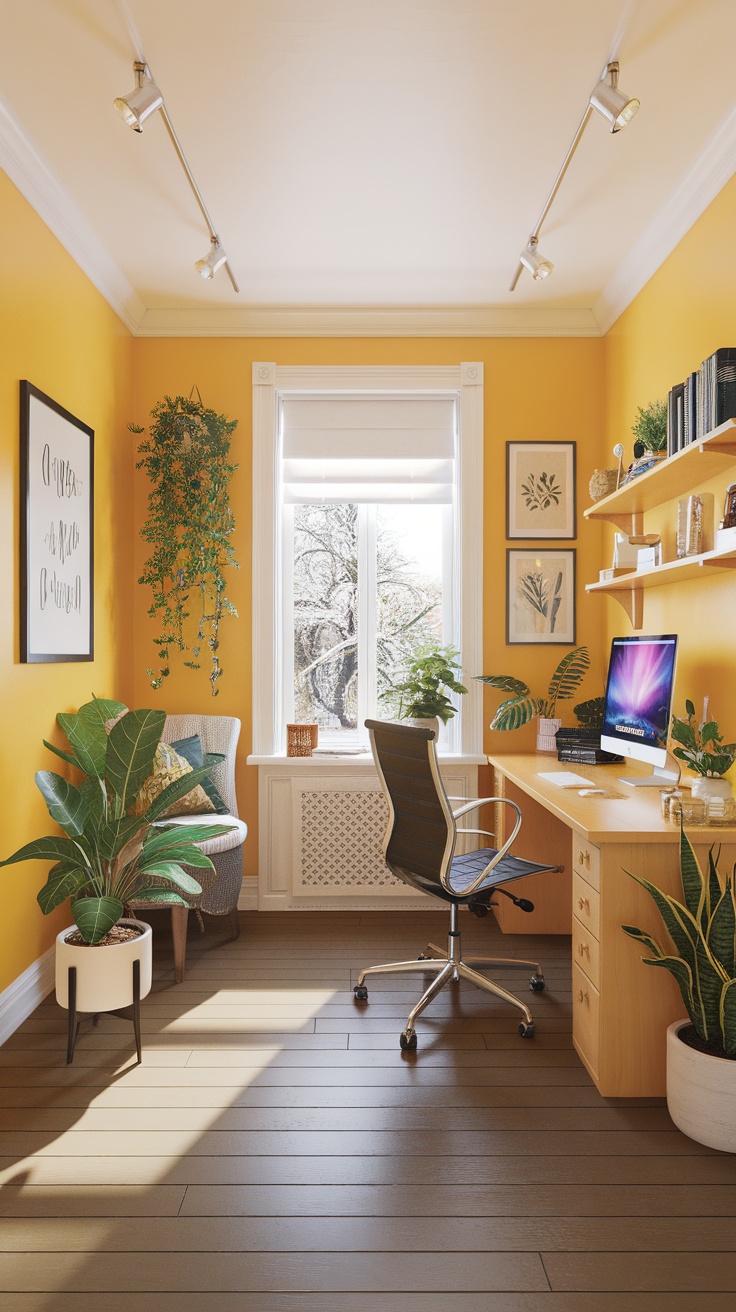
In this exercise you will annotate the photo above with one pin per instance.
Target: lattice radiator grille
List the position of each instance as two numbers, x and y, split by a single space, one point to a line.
341 836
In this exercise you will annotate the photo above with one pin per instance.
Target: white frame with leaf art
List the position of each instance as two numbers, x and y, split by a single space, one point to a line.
540 490
540 596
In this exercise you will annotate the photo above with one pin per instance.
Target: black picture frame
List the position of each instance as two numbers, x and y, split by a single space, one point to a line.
531 617
56 531
528 516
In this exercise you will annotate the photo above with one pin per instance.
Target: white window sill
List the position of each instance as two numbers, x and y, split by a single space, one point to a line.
363 760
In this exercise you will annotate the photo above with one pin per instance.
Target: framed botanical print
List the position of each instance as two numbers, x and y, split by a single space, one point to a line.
56 531
540 596
540 490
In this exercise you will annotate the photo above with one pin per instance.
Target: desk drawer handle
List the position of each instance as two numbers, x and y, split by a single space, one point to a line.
583 997
584 859
584 904
583 948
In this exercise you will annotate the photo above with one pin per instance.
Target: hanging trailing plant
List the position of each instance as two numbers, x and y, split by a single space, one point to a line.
189 526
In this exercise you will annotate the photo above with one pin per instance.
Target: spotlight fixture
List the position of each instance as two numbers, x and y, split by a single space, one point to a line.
612 103
619 110
213 260
143 100
538 267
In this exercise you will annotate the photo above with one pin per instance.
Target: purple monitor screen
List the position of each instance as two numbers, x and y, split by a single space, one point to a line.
639 690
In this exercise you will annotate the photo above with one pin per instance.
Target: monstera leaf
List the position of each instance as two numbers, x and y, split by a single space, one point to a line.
517 712
568 676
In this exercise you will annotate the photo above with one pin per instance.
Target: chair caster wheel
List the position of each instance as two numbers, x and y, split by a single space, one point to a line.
536 983
526 1031
423 957
361 993
408 1041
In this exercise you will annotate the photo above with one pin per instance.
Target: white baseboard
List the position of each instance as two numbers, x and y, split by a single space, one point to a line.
248 899
20 999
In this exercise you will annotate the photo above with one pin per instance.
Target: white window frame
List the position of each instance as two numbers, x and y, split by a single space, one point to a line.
271 384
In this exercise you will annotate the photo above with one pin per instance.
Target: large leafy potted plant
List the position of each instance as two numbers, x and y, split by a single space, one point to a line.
703 750
109 854
431 673
523 705
701 1051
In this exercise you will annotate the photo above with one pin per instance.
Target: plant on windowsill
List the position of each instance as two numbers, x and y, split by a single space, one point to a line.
522 706
108 854
189 526
701 1054
431 674
703 750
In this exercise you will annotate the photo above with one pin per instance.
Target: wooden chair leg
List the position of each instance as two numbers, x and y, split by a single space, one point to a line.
179 921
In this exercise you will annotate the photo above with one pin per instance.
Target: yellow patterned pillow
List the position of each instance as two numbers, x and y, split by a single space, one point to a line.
168 765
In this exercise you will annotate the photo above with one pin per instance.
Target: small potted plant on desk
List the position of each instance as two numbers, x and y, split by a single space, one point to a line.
703 750
701 1051
431 673
110 854
522 706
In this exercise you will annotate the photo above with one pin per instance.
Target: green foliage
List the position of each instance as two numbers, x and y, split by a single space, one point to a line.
702 928
701 745
189 526
110 855
523 706
650 426
590 714
430 670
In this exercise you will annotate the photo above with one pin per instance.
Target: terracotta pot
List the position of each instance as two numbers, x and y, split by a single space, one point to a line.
104 974
701 1093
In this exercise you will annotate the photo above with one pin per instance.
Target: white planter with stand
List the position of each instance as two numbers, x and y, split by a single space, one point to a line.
701 1093
104 974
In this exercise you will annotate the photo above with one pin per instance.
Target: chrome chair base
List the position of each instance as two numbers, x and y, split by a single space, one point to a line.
448 967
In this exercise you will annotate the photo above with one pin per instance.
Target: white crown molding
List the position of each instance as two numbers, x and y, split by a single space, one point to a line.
695 191
36 180
370 321
20 999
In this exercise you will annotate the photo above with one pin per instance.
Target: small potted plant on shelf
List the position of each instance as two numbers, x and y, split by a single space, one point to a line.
522 706
701 1050
110 853
431 673
649 430
703 750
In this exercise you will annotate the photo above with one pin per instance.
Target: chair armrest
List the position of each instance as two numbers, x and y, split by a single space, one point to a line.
472 805
466 892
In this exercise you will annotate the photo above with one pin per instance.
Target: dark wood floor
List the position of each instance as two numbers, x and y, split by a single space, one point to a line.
276 1152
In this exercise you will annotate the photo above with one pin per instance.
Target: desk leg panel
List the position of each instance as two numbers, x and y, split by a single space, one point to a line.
542 838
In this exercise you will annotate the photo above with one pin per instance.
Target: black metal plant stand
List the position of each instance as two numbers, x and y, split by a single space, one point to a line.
126 1013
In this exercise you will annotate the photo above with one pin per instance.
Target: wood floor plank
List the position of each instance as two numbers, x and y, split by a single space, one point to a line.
364 1301
624 1271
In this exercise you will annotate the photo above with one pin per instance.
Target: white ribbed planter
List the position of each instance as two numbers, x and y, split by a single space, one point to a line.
546 730
104 974
701 1093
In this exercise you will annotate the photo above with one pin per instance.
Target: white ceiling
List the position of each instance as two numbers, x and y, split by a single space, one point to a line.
371 165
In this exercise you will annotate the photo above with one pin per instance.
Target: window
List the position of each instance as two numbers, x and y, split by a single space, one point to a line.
370 526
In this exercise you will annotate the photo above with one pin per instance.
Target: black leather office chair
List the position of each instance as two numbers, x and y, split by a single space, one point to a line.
419 847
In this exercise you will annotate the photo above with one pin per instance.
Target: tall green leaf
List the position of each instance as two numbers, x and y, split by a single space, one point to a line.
692 880
160 895
65 756
728 1018
714 886
131 747
173 872
48 849
506 683
66 803
113 836
89 741
63 881
169 836
722 930
100 710
515 713
681 971
568 676
94 916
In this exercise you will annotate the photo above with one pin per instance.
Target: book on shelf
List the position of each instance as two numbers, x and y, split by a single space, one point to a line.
705 400
674 418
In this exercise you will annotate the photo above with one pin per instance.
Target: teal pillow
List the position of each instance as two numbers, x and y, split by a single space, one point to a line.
191 750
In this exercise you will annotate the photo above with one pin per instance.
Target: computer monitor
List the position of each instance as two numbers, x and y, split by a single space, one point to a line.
638 706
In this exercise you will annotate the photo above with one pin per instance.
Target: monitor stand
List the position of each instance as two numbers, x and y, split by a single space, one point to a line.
662 776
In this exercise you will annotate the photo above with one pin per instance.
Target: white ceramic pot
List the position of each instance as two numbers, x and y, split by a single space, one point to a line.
104 974
429 723
701 1093
546 730
714 787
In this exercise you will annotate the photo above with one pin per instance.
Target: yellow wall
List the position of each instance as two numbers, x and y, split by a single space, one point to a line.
58 332
534 389
684 313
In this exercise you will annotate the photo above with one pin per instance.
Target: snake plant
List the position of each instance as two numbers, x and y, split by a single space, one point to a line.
522 706
109 855
703 930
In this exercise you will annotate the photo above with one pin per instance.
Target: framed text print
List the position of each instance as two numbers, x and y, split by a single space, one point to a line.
540 596
57 531
540 489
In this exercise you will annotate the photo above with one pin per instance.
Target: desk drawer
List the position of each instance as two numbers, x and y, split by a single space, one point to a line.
586 951
586 860
585 1015
586 904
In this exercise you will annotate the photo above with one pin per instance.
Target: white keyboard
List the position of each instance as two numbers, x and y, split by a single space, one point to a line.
564 779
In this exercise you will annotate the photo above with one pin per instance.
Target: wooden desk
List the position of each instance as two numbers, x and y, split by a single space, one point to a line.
621 1008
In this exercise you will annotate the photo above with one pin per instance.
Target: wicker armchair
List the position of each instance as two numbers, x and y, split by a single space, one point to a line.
221 886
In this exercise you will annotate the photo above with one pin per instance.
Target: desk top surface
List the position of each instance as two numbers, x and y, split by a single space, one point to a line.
627 815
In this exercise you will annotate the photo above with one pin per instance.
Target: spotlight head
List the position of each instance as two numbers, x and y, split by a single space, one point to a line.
538 267
212 261
142 101
617 108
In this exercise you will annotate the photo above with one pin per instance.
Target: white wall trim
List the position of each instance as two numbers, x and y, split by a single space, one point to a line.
370 321
695 191
36 180
20 999
248 898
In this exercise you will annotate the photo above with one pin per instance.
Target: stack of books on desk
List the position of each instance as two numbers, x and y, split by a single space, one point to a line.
583 746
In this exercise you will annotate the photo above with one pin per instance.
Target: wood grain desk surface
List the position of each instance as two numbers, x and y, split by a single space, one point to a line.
633 815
